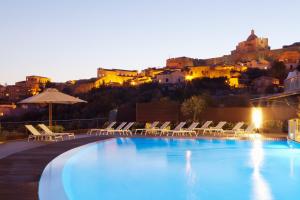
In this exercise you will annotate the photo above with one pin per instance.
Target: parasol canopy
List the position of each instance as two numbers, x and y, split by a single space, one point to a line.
51 96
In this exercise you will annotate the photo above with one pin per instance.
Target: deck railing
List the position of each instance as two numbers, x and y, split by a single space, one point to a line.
11 128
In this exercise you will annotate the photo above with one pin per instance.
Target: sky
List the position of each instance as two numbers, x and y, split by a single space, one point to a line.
70 39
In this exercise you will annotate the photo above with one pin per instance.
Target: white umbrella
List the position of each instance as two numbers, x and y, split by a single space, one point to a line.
51 96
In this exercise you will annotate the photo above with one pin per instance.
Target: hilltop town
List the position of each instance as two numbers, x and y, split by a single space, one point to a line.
253 53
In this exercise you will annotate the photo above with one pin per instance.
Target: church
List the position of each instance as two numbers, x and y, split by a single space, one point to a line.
252 44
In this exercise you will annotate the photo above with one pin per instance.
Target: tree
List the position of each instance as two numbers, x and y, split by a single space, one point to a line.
193 107
278 70
253 73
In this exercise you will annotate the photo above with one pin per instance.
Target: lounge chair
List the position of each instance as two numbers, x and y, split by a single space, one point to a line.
99 131
177 128
49 132
163 127
36 135
110 131
235 129
216 129
189 130
248 130
203 127
126 130
143 130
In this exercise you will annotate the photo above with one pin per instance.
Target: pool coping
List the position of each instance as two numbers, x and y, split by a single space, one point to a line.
20 172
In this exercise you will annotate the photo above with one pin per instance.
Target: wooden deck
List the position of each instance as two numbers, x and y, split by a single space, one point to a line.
20 173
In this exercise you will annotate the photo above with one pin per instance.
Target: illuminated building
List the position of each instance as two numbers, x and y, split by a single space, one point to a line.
170 77
230 72
114 76
35 83
180 62
252 44
6 109
31 86
151 72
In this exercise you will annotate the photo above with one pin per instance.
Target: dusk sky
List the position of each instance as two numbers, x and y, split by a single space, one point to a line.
70 39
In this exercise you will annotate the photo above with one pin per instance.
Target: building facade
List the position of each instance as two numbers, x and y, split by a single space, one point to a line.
115 76
180 62
31 86
252 44
170 77
292 82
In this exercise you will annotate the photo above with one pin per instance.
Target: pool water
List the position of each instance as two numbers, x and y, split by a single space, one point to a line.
175 169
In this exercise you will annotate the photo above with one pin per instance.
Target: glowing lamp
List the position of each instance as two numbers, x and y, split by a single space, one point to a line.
257 117
189 78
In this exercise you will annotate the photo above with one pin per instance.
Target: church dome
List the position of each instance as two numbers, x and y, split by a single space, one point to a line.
252 36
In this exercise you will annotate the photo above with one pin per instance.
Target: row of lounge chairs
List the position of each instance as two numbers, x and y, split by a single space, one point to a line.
46 134
163 130
122 129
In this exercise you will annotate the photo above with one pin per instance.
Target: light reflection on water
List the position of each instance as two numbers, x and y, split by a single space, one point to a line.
178 169
261 189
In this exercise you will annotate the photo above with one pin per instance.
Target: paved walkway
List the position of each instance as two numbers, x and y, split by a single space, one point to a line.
14 146
11 147
21 171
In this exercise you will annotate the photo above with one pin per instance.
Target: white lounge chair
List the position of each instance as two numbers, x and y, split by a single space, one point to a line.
235 129
36 135
49 132
216 129
126 130
177 128
189 130
203 127
99 131
155 131
143 130
250 129
111 131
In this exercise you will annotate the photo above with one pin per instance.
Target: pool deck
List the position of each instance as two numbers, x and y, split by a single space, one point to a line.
22 163
20 172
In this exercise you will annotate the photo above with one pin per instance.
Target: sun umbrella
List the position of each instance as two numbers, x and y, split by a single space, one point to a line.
51 96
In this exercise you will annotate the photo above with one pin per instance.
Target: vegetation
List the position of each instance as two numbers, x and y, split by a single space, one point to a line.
215 92
104 99
278 70
193 107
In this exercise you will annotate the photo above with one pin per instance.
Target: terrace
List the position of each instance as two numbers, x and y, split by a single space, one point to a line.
22 163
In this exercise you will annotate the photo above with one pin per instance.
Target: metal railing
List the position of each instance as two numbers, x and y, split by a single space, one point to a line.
13 128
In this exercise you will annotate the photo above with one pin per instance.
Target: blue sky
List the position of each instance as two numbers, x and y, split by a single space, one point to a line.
70 39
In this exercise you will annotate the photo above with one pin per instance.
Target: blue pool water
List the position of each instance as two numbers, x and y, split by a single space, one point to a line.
175 169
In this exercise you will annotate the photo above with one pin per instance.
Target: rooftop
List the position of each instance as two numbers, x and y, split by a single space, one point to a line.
252 36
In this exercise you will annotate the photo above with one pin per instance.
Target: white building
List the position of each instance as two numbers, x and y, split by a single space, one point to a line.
292 82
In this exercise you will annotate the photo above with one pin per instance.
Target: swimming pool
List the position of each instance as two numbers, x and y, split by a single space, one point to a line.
175 169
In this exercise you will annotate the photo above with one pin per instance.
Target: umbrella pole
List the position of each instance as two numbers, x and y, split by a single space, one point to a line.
50 115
